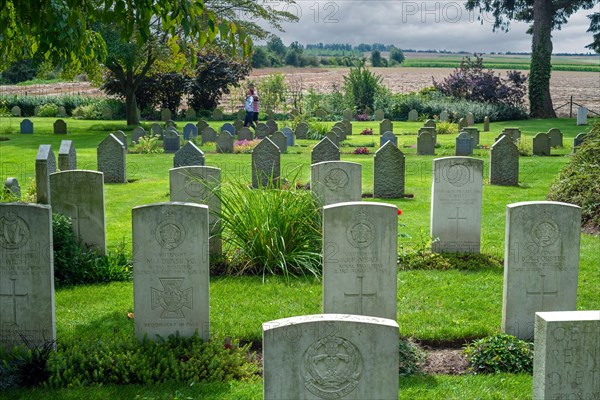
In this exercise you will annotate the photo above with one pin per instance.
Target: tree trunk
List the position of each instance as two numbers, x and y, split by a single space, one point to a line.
540 102
131 107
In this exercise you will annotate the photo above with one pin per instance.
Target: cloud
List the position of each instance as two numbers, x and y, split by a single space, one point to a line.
418 25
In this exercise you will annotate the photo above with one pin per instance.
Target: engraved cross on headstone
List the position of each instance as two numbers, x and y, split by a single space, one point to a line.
543 291
361 294
457 219
77 221
14 297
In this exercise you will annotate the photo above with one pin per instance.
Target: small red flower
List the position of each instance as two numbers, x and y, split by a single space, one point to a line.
399 212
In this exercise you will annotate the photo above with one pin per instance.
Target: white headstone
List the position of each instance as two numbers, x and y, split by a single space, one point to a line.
336 182
79 194
360 258
582 116
566 361
171 270
330 356
541 262
456 198
26 275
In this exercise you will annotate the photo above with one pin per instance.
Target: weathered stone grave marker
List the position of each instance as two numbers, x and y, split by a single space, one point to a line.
456 199
224 142
413 116
388 172
67 155
171 270
464 144
301 130
190 131
188 155
171 141
45 164
378 116
26 275
336 182
541 145
111 155
330 356
541 262
137 133
280 141
425 144
504 163
582 116
325 150
388 137
266 163
556 137
208 135
566 361
26 126
360 256
60 127
79 195
12 188
386 126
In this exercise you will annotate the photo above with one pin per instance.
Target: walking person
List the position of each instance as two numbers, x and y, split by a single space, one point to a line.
249 107
255 115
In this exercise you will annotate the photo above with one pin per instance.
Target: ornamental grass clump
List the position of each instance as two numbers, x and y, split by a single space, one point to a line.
270 231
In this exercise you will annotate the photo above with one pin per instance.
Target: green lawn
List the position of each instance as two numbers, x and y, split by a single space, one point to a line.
432 305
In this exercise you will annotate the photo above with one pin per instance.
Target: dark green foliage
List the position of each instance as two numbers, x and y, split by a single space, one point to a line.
215 74
411 358
25 365
397 106
376 59
361 86
579 181
73 265
19 71
282 236
424 259
397 55
70 102
174 359
470 81
500 353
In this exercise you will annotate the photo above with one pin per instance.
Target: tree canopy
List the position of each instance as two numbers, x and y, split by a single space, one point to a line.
63 31
544 16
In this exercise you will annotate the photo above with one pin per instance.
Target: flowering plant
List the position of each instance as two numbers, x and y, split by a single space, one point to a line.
367 131
361 150
244 146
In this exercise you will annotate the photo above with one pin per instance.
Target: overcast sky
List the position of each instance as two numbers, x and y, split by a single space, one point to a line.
418 25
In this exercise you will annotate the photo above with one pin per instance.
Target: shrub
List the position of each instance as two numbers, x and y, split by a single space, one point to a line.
25 365
412 358
73 265
525 146
500 353
360 86
367 131
281 236
361 150
48 110
148 144
471 82
175 359
272 90
446 128
579 181
316 130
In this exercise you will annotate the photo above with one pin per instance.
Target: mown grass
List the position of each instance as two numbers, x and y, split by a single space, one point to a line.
441 306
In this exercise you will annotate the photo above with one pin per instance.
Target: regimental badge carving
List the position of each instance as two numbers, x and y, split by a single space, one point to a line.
331 367
336 179
457 175
545 233
194 186
170 233
14 231
172 299
360 232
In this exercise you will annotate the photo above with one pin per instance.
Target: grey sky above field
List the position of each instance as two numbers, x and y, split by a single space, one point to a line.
418 25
